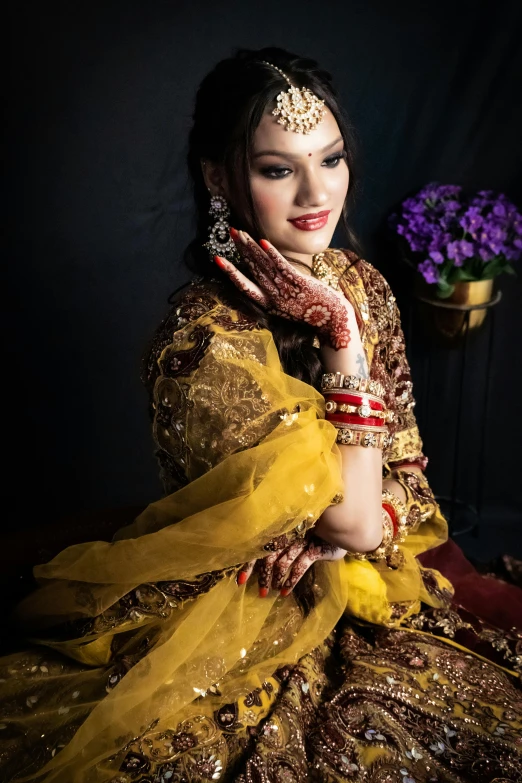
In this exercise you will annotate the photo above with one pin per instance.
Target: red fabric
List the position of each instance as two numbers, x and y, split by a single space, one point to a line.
495 601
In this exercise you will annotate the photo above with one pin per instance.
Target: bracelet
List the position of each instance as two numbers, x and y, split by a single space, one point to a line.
344 395
385 548
398 513
334 380
363 410
349 436
356 421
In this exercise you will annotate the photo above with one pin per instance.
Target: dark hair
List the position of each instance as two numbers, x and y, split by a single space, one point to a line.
230 103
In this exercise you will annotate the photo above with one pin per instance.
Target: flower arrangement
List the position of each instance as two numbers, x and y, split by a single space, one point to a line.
456 237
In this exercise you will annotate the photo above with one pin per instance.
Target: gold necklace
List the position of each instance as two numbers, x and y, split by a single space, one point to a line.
324 267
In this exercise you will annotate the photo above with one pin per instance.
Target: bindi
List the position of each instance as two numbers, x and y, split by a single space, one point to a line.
309 154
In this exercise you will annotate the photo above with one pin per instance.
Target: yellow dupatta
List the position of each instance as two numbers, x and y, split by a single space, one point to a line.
261 460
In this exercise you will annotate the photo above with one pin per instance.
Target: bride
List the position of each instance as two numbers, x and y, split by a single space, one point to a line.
270 618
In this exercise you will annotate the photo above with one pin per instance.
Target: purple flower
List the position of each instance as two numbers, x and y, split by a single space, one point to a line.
459 250
449 229
429 271
437 257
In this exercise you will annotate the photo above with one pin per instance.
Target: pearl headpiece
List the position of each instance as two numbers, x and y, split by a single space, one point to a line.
299 110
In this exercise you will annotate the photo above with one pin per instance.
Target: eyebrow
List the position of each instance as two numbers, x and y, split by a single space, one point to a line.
289 154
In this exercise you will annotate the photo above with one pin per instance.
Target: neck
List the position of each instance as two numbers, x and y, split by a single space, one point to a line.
301 261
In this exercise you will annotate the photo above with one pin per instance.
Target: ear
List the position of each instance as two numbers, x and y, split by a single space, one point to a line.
214 176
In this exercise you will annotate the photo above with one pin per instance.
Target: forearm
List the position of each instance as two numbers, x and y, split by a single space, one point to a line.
355 523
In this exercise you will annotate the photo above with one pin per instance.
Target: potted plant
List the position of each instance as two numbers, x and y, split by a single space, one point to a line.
458 243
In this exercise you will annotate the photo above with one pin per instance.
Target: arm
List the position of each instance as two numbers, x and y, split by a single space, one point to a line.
356 523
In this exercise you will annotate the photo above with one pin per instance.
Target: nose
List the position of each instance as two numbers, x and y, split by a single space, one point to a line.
312 190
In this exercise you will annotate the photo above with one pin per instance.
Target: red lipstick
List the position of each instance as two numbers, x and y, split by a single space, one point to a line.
312 221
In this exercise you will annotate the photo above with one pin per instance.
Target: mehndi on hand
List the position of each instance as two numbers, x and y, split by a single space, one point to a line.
284 291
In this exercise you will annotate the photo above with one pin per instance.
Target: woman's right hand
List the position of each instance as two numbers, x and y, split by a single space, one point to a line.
282 290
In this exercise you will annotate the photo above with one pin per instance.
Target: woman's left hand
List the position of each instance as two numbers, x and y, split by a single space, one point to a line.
283 568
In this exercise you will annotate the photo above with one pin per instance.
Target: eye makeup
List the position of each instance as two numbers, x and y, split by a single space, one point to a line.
281 172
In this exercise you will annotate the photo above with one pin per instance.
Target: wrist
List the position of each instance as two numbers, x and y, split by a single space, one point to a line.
348 361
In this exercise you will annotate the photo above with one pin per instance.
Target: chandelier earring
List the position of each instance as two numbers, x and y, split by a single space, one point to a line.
219 242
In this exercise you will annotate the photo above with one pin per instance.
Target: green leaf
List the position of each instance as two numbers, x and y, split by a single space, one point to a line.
462 275
492 269
444 289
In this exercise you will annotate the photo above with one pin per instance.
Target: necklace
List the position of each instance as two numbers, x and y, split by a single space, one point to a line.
325 268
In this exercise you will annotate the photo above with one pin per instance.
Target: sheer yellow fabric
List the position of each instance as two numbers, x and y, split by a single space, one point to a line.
260 460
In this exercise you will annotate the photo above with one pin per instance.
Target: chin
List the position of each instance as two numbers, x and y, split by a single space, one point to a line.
312 242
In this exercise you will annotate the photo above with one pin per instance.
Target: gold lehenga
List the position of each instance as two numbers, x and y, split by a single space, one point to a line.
150 664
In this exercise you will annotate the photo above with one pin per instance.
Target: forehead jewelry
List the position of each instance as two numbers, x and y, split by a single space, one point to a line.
299 110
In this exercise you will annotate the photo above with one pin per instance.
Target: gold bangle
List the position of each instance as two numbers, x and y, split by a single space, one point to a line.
377 437
401 513
336 380
385 548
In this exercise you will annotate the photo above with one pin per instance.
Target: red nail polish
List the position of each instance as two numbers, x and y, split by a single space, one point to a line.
264 244
263 592
285 591
220 262
242 578
234 233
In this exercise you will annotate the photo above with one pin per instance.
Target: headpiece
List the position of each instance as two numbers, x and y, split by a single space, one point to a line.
299 110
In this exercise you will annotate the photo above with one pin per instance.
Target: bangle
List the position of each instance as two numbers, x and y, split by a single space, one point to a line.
362 410
335 380
351 436
343 395
358 421
385 548
398 513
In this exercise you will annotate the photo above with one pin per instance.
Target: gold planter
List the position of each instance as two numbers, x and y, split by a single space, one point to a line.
448 316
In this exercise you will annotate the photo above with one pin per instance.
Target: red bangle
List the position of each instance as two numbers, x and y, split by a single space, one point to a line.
393 517
356 399
352 418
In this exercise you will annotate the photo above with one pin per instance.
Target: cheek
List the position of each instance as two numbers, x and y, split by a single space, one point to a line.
270 202
341 184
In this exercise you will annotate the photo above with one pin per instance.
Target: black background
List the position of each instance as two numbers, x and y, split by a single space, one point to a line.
99 209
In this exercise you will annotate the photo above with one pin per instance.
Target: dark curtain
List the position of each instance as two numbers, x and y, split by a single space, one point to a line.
99 210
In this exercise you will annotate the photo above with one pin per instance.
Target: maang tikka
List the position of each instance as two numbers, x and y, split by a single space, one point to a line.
299 110
219 242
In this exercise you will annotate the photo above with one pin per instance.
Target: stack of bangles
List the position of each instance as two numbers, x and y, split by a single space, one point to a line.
356 407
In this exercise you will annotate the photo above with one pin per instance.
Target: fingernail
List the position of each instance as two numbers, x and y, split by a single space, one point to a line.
234 233
285 591
265 244
242 578
220 262
243 237
263 592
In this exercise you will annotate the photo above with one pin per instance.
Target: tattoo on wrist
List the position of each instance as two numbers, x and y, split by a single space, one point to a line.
363 369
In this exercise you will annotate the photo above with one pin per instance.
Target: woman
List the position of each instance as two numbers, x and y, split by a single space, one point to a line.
283 416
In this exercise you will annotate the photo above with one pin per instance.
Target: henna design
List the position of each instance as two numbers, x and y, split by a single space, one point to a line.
317 549
285 561
264 569
285 292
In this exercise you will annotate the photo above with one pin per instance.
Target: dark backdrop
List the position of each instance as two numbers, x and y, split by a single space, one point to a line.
99 210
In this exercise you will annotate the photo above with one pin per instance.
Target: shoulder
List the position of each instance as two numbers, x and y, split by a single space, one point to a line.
196 312
372 279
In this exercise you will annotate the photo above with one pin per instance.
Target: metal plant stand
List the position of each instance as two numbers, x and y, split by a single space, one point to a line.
452 504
